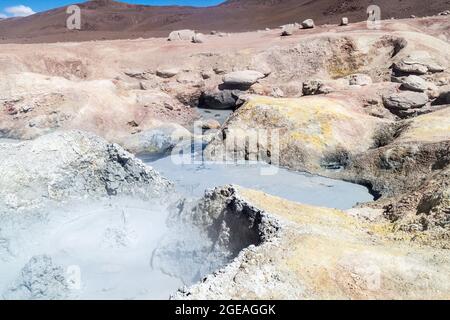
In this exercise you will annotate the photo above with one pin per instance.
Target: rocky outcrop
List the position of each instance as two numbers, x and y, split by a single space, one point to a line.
357 259
309 132
73 164
405 100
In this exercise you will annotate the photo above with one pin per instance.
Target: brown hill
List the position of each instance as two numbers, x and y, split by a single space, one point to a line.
107 19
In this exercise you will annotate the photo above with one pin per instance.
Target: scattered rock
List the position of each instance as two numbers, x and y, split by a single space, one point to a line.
418 62
137 74
415 83
410 68
308 24
167 73
288 29
405 100
182 35
244 78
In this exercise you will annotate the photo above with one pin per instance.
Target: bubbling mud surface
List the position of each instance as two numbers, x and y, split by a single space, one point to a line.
192 179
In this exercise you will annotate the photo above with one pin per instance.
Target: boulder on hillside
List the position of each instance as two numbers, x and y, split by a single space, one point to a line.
288 29
182 35
308 24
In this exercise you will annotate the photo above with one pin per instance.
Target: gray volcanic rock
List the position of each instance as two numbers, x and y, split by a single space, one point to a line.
244 78
219 99
418 62
308 24
415 83
72 164
405 100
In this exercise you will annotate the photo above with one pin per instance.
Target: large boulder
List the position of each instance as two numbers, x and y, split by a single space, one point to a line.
182 35
72 164
244 78
288 29
405 100
308 24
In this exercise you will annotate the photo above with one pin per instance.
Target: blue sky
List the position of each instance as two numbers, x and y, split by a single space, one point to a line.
25 7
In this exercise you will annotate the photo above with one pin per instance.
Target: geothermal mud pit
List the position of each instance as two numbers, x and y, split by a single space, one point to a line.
124 248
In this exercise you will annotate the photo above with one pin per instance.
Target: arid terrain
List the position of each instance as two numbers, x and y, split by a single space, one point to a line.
368 106
107 19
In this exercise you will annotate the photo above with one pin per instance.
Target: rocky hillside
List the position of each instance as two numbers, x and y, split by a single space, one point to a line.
107 19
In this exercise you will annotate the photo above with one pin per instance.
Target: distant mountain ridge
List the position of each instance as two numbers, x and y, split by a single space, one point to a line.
108 19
